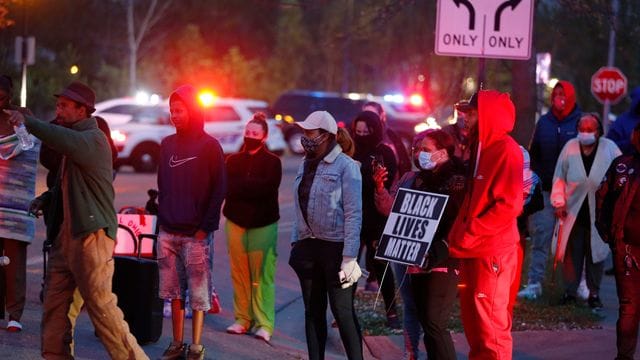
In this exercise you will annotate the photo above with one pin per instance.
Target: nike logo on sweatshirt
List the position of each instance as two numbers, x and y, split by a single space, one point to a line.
173 162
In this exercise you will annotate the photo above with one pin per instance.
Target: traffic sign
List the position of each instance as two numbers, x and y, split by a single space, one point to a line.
485 28
608 83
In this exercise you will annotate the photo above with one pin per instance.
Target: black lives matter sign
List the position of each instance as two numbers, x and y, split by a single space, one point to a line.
411 225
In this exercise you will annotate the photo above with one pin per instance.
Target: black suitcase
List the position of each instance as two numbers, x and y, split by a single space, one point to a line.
136 283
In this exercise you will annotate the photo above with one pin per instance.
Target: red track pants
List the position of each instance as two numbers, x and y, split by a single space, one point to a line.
484 301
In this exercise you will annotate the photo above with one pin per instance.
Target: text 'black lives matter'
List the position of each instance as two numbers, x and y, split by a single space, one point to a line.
411 225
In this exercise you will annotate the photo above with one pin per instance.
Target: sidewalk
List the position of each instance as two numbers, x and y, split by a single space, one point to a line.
529 345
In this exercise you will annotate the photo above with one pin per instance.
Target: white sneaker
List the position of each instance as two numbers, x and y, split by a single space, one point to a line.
531 292
236 329
263 335
583 290
14 326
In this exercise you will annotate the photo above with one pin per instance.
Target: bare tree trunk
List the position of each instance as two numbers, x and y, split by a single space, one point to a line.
133 48
153 15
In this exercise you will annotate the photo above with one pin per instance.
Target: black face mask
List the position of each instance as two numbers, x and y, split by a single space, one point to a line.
364 143
251 144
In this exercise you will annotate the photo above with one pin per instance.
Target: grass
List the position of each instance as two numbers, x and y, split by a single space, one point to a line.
541 314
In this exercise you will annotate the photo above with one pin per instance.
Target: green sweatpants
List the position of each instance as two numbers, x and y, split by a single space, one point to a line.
252 256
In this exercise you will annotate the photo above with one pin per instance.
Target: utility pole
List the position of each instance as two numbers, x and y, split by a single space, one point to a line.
611 56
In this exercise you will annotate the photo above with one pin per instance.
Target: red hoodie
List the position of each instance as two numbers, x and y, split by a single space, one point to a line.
570 99
486 223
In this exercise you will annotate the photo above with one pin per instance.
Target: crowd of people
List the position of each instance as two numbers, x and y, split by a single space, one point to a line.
578 196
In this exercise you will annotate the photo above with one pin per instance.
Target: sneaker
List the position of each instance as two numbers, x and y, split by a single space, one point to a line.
166 309
236 329
196 352
215 303
583 290
263 335
567 299
595 303
175 351
14 326
531 292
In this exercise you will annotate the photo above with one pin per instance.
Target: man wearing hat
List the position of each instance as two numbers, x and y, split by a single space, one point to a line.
485 234
325 238
81 255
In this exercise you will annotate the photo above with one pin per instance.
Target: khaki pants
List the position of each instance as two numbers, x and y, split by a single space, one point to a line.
87 264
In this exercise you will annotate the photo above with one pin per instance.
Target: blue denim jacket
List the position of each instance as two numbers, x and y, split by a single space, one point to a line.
335 203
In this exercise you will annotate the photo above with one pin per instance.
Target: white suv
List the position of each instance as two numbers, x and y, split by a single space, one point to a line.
137 129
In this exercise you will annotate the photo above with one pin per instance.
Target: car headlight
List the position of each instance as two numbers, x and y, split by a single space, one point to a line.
118 136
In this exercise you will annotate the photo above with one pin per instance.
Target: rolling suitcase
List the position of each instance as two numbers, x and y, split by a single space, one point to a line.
135 283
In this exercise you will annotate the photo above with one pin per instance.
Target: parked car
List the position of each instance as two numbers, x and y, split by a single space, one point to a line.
138 128
295 105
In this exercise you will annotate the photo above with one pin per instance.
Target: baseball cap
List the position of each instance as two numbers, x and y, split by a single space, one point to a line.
319 120
467 105
81 94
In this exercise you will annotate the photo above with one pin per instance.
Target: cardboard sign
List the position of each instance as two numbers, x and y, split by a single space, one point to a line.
410 228
138 224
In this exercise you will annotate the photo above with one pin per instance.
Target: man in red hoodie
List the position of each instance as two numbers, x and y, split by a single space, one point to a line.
485 234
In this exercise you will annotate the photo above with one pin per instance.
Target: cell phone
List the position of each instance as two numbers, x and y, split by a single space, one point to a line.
375 163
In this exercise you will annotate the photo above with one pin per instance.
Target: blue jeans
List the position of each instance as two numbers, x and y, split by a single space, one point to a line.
541 226
410 322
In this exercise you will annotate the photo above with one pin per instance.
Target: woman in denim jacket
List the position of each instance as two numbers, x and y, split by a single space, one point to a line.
326 235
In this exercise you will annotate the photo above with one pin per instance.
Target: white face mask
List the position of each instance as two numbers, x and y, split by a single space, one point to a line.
586 138
425 161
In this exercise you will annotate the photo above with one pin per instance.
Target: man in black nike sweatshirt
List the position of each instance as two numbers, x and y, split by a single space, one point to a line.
191 184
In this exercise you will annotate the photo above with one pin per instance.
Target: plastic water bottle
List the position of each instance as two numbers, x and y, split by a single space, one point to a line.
25 140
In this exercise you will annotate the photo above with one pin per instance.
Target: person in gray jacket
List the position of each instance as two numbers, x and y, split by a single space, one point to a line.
326 235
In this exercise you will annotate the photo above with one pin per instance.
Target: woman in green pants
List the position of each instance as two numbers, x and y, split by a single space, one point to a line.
251 209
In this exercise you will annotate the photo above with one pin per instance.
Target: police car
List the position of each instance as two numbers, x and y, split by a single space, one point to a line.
138 127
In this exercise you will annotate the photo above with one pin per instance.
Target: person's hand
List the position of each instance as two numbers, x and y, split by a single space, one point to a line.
36 207
380 175
561 212
200 235
15 117
349 272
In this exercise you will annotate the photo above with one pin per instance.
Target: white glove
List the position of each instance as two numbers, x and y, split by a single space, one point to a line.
349 272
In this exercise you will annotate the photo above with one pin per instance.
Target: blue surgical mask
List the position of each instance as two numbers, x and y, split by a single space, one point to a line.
425 161
586 138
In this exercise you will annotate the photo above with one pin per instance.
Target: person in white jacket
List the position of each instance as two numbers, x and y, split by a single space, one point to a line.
581 167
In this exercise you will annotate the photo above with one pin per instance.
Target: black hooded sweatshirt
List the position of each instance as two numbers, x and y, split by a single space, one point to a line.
368 148
191 174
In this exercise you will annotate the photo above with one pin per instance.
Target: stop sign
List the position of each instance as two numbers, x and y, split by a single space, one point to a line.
609 83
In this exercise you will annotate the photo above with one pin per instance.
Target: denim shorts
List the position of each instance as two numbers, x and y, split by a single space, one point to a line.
184 263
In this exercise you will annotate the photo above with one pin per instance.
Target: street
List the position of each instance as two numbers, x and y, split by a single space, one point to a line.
288 340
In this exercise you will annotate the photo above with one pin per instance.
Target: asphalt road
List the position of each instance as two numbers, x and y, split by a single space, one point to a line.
288 341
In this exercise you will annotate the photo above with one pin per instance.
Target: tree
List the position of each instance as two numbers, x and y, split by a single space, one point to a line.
5 21
134 37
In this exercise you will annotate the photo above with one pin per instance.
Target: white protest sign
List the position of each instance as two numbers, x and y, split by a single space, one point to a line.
411 225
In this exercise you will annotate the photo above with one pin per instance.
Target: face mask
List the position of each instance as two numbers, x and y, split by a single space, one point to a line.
425 161
251 144
586 138
559 102
310 146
